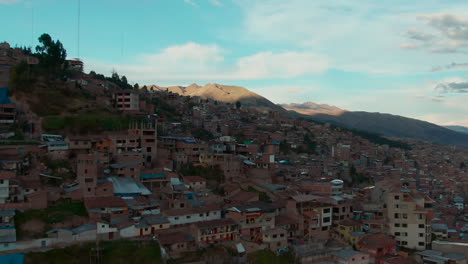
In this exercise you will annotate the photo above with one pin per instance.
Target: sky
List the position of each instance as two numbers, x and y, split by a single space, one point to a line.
402 57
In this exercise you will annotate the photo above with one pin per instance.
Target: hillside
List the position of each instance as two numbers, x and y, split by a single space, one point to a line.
460 129
384 124
223 93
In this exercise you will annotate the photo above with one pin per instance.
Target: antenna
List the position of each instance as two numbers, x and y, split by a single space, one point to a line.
78 29
32 27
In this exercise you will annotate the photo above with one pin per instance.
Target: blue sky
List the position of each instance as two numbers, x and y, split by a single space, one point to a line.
402 57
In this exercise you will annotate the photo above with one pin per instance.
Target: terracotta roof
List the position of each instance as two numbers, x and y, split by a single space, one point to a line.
103 202
174 237
285 220
191 210
194 179
6 175
377 241
243 196
215 223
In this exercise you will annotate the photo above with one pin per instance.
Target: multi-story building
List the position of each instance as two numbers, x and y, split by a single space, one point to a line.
409 213
7 108
126 100
208 232
253 219
87 173
5 177
316 213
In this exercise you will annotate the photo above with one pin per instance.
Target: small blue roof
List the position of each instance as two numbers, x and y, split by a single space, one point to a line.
4 99
12 259
152 176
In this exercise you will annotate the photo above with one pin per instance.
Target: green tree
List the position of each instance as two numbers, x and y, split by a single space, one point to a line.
136 86
124 80
51 54
238 104
21 78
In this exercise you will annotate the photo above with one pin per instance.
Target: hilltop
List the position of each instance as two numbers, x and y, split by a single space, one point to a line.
223 93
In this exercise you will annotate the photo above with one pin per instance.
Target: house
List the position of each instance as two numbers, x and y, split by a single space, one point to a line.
253 218
154 181
7 229
275 239
5 177
215 231
377 246
7 107
150 224
126 100
346 228
192 214
196 183
176 242
347 256
438 257
105 207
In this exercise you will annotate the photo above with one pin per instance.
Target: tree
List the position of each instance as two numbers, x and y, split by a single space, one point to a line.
124 80
238 104
52 55
136 86
21 79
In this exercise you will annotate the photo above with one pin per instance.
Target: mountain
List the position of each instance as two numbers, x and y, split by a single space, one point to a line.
383 124
460 129
223 93
377 123
310 108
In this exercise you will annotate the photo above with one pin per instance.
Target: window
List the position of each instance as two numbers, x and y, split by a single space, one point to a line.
421 225
405 216
326 211
176 218
1 181
397 197
397 233
326 219
421 234
397 216
397 225
103 226
160 226
404 243
404 225
86 171
274 236
421 244
188 217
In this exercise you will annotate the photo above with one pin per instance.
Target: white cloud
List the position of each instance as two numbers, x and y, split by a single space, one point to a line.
283 65
9 2
191 2
216 2
367 37
194 61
